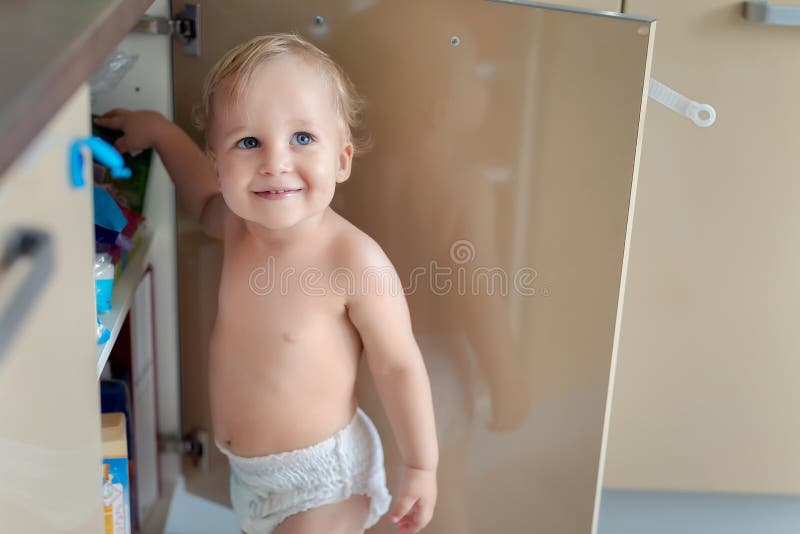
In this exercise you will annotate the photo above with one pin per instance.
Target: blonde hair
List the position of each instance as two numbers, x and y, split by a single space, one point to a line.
235 69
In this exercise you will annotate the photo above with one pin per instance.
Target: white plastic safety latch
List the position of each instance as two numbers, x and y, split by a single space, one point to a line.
702 115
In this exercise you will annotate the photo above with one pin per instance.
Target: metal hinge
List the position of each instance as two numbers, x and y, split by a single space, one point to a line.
185 27
194 444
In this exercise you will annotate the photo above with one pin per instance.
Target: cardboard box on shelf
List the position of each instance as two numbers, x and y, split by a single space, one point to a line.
116 486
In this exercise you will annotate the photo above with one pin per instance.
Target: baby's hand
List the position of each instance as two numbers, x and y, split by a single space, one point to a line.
139 128
414 500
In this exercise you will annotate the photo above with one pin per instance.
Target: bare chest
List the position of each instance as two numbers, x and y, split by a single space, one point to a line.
280 303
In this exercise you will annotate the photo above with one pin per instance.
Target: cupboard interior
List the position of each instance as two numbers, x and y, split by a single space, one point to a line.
143 320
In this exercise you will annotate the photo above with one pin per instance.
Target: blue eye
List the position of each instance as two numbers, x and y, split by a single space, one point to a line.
301 138
247 143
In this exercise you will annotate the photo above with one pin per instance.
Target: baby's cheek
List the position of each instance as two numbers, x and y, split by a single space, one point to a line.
233 199
325 195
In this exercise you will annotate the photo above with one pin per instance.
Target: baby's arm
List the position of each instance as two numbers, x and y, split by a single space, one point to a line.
194 177
380 313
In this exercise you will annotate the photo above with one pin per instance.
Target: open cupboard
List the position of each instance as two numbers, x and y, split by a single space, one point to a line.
49 407
51 366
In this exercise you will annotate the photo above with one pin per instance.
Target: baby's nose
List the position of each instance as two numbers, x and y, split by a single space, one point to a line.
274 161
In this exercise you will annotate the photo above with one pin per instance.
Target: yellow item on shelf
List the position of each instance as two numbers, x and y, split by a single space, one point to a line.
116 488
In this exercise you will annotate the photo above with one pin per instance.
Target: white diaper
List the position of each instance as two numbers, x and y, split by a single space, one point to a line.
266 490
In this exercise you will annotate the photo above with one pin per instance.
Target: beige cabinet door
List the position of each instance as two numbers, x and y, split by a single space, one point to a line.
707 395
594 5
505 152
50 453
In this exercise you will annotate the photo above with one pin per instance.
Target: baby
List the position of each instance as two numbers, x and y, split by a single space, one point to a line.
299 299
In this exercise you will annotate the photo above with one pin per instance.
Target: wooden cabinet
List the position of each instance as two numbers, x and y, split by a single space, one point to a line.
49 403
520 142
547 201
50 442
595 5
706 388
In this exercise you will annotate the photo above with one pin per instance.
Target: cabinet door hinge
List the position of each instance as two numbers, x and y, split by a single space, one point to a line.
185 27
193 444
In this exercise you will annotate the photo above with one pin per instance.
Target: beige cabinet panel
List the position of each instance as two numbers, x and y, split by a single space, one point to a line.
706 394
512 151
594 5
50 452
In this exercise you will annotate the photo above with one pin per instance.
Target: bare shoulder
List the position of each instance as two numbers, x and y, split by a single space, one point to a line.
354 249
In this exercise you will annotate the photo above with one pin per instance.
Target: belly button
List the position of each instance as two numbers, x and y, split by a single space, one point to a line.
289 337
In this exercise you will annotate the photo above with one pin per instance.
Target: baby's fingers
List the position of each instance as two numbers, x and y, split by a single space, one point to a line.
121 145
402 508
421 514
416 518
113 119
112 122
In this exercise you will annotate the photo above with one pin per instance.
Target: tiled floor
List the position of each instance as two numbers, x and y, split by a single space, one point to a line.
170 471
667 512
180 512
189 514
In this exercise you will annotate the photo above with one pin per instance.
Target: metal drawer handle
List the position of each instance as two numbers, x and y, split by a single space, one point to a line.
26 262
764 13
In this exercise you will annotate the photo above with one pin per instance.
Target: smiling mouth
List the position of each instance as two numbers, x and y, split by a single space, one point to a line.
277 193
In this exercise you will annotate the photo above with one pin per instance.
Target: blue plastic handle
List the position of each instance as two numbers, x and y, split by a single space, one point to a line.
102 152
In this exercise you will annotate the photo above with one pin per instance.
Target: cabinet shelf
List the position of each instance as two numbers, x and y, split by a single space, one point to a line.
122 297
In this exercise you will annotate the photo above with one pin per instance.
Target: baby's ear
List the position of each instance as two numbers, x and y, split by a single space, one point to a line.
345 163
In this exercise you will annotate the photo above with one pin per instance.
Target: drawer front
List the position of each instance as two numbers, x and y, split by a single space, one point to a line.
49 402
